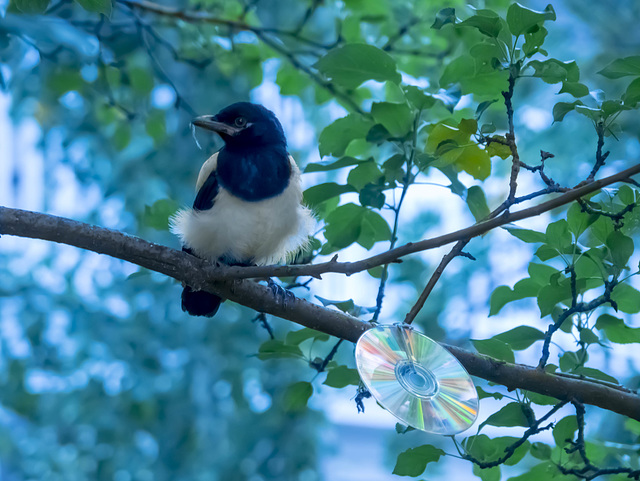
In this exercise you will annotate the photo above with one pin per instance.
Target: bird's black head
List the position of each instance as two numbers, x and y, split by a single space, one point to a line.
244 124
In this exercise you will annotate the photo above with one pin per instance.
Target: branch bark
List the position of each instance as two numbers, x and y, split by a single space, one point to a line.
187 268
393 255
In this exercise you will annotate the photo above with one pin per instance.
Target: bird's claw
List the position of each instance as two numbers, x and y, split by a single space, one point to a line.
283 295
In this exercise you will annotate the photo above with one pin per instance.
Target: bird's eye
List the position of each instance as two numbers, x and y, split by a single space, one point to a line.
240 122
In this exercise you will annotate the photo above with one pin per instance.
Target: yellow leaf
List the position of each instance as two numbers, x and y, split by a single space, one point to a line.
475 162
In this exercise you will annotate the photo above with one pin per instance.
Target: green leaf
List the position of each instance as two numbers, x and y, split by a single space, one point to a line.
99 6
595 374
522 20
413 462
420 99
294 338
374 229
617 331
622 67
520 337
275 349
498 149
141 80
444 17
347 306
453 145
502 295
632 426
155 126
558 235
533 40
550 296
485 84
600 231
157 215
474 161
296 396
378 134
541 399
490 474
611 107
31 7
621 248
527 235
494 348
564 430
486 25
482 107
510 415
477 203
63 81
402 429
396 118
574 88
571 360
482 394
578 221
547 471
319 193
486 449
541 272
365 173
632 94
627 298
290 80
553 71
561 109
356 63
588 336
594 114
344 225
332 165
342 376
336 137
540 451
626 194
371 195
122 136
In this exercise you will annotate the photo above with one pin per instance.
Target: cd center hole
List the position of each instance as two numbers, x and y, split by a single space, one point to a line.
417 379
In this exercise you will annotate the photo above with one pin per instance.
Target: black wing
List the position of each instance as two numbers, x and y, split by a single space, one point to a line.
207 193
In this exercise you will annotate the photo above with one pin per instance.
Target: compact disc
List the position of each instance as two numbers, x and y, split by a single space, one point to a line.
416 379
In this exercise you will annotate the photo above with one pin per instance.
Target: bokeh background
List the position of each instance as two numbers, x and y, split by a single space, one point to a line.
102 376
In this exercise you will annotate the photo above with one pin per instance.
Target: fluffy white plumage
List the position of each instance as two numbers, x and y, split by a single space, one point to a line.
265 232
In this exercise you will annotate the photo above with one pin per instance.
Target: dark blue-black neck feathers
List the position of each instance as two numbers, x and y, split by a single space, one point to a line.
254 173
254 163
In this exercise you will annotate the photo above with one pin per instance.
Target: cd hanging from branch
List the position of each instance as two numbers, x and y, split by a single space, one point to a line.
416 379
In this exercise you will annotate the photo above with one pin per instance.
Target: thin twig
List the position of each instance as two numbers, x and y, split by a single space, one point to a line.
394 255
535 428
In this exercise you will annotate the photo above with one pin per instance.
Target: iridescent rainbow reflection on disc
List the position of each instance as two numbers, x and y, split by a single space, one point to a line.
416 379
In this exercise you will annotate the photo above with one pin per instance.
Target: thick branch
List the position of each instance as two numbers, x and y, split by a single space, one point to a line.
184 267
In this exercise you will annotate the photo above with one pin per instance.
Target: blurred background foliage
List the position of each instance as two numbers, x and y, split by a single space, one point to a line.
103 376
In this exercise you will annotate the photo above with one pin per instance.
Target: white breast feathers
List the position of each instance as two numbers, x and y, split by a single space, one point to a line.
263 232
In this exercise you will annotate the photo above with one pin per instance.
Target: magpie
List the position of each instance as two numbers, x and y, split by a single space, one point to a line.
248 208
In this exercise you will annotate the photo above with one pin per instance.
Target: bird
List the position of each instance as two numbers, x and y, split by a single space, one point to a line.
248 208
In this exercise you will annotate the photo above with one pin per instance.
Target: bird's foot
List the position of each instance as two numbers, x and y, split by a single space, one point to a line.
283 295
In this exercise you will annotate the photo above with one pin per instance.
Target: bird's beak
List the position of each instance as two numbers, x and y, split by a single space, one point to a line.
208 122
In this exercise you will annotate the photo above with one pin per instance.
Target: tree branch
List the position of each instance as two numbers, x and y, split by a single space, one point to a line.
187 268
393 255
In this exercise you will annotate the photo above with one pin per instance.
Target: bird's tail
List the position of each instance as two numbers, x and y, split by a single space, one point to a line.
200 303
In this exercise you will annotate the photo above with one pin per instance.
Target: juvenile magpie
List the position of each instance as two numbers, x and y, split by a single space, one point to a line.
248 208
